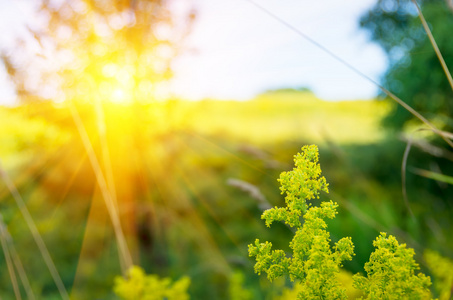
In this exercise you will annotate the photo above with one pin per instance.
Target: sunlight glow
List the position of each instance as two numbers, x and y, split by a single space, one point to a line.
122 84
119 96
115 59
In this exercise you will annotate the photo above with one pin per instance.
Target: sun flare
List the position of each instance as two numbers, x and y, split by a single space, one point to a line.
113 61
123 84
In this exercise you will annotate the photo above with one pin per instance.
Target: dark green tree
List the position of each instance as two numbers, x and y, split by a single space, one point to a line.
414 74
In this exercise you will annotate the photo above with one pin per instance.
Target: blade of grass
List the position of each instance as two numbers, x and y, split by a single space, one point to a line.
432 150
35 233
434 44
9 263
20 270
403 176
427 147
229 153
16 260
433 175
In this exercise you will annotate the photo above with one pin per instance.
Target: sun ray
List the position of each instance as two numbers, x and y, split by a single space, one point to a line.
93 246
125 256
106 160
229 153
208 208
205 176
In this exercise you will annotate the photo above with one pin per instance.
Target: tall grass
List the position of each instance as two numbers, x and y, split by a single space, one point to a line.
157 167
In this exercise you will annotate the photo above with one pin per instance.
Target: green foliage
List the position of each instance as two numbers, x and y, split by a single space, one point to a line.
171 237
345 278
236 289
434 175
139 286
391 273
314 262
415 74
442 270
301 184
290 294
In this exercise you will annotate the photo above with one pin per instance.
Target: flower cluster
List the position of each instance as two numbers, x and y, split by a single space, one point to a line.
139 286
391 272
442 270
315 264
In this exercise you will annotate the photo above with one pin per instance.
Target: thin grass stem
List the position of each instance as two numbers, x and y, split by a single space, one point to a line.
15 258
403 176
35 233
9 263
434 44
21 270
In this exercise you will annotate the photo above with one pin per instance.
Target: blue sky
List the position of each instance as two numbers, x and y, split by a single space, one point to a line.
236 51
241 51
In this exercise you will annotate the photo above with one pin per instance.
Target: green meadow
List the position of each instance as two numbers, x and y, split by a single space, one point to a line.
191 180
108 191
289 116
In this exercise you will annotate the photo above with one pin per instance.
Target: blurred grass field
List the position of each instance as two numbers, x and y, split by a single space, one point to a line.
107 172
170 165
289 116
269 118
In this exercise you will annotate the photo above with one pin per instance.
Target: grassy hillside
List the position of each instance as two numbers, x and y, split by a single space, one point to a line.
289 116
